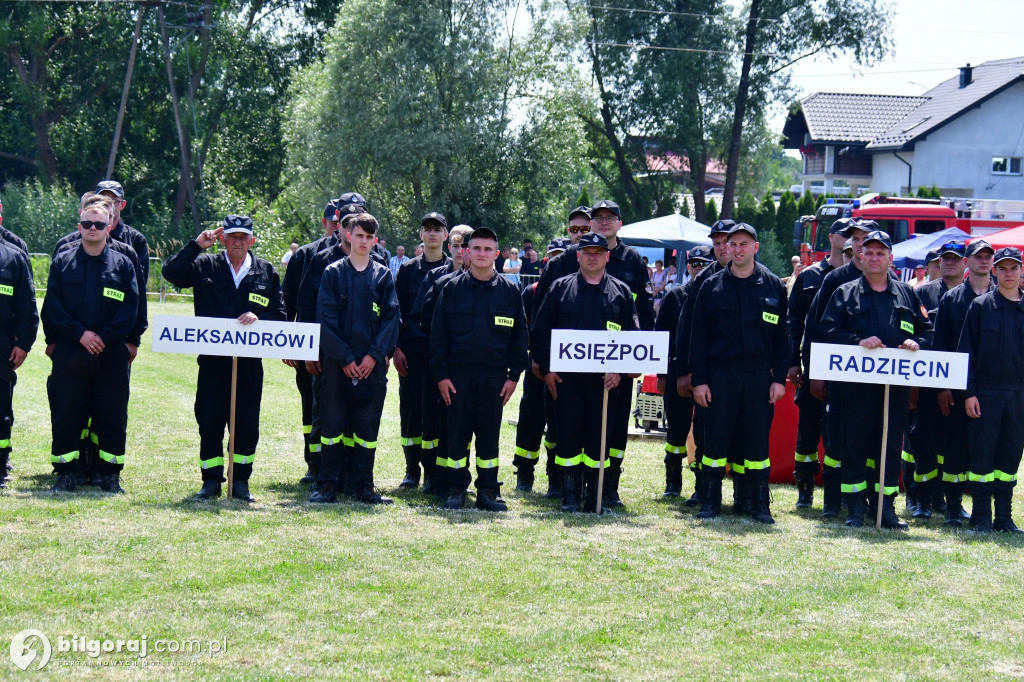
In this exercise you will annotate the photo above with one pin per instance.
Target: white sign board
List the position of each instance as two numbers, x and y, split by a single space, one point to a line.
854 364
228 336
574 350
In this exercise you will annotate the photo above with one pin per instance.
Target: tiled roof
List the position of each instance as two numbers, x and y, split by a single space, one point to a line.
836 117
947 100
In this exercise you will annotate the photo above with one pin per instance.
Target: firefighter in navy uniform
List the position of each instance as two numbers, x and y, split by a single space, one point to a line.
90 307
477 354
873 311
589 299
233 284
626 265
926 424
357 309
739 378
679 409
412 366
812 411
536 409
992 336
19 323
949 323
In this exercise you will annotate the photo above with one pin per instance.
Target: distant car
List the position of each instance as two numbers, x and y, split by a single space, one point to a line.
713 192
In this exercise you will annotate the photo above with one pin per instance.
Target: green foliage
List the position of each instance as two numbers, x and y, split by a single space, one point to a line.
787 215
819 201
772 253
766 214
40 213
807 204
747 211
583 199
711 212
685 208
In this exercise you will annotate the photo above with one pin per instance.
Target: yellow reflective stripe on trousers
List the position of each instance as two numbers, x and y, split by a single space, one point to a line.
65 458
757 465
315 447
94 438
738 468
307 428
5 443
617 454
922 478
527 454
487 463
113 459
981 478
907 457
415 440
368 444
889 489
1004 476
832 463
592 463
853 487
453 463
568 461
948 477
85 433
940 459
870 464
805 459
708 462
549 445
675 449
210 463
243 459
430 444
331 441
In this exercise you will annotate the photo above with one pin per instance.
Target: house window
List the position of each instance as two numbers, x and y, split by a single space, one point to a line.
1006 165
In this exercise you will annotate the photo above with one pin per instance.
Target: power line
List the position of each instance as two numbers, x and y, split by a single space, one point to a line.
685 49
670 13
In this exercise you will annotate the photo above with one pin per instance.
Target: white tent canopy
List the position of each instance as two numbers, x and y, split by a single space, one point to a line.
667 232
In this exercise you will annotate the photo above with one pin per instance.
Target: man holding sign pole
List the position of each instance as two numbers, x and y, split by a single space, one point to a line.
233 284
590 299
995 394
739 354
874 311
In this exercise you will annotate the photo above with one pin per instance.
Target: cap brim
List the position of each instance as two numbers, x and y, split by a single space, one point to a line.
232 230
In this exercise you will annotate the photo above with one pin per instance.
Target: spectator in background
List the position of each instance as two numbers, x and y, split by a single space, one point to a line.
382 243
798 267
419 249
932 266
512 266
919 277
499 262
531 265
673 274
659 280
289 253
396 261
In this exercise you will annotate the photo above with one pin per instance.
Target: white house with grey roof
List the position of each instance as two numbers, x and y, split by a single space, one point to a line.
964 136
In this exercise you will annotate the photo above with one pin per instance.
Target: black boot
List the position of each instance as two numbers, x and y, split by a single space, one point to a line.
367 495
612 474
673 480
524 480
111 483
954 502
240 492
412 467
1003 522
832 497
489 499
740 495
589 504
889 519
925 494
555 481
854 510
804 490
711 505
570 492
4 457
310 476
760 502
698 488
981 512
65 483
210 489
324 493
456 498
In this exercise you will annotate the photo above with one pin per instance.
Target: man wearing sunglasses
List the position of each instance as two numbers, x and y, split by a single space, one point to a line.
90 307
579 223
926 419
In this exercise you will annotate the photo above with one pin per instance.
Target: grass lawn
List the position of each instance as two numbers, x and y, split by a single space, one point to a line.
411 591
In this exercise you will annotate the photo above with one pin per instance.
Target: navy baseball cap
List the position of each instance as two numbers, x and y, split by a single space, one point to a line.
346 211
237 223
848 246
722 226
331 210
858 224
592 239
434 217
933 254
955 247
838 226
558 244
483 233
110 186
743 227
699 254
880 237
582 210
979 245
351 198
1008 253
606 204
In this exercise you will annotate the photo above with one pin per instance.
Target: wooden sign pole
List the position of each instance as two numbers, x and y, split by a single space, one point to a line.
604 443
230 427
881 460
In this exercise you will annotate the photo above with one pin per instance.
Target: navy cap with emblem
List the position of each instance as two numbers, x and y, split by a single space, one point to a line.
483 233
606 204
933 255
838 226
848 246
699 254
581 210
723 225
331 210
558 244
351 198
346 211
955 247
1008 253
110 186
593 239
434 217
880 237
743 227
858 224
979 245
237 223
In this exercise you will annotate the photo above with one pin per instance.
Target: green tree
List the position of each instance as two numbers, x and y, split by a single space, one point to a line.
807 205
711 215
747 211
685 209
583 199
766 214
787 215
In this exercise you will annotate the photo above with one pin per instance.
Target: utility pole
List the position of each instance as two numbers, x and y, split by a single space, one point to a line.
124 93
